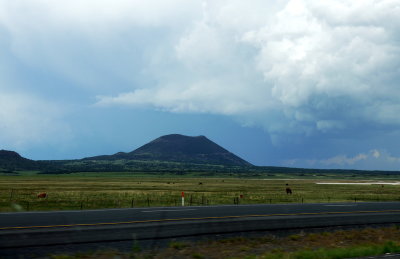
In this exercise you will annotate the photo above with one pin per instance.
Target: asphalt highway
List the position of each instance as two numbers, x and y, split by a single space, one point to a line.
36 229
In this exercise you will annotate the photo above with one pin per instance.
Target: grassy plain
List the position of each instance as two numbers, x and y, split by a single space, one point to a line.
119 190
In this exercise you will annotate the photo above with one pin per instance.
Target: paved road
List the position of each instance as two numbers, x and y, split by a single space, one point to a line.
35 229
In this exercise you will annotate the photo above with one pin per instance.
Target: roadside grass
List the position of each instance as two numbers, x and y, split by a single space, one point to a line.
337 253
96 191
326 245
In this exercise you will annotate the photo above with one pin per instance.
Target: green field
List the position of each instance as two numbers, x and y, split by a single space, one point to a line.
124 190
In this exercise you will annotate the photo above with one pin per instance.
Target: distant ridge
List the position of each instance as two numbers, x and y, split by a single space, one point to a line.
194 155
180 148
10 160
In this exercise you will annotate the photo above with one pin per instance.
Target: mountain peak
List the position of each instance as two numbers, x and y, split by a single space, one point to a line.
179 137
176 143
6 154
181 148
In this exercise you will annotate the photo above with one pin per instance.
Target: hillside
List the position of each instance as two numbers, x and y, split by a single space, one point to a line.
182 149
172 154
10 160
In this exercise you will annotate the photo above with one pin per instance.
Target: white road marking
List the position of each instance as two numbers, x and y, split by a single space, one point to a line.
166 210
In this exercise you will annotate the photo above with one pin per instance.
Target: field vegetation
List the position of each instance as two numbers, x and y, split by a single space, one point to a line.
18 192
325 245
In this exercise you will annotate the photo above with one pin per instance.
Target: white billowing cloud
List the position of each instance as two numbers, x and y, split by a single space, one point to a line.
373 160
341 160
313 58
175 98
376 153
305 66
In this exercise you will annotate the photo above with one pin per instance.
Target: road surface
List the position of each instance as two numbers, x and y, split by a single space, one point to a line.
45 229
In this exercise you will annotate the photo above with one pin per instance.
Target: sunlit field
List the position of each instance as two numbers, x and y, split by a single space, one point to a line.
96 191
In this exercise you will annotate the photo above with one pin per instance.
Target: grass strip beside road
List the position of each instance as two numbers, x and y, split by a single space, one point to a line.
336 253
324 245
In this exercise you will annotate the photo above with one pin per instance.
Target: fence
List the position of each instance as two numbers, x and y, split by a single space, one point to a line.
15 201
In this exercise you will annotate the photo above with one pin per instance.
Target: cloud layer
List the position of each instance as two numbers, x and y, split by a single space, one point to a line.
293 66
374 159
310 66
26 120
296 68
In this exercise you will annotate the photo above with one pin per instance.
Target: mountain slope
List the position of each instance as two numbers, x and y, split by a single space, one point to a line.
180 148
10 160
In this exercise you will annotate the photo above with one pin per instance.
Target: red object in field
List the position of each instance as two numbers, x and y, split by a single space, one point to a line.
241 196
183 194
42 195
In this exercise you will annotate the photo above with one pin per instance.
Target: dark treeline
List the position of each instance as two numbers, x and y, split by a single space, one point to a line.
161 167
62 167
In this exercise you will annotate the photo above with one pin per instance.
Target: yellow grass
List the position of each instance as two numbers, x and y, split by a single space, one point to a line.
91 192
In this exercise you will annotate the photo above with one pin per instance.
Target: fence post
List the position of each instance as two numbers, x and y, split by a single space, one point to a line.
11 194
27 206
132 204
302 200
81 204
148 201
270 201
190 200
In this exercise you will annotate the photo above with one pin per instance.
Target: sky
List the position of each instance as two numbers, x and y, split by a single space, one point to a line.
299 83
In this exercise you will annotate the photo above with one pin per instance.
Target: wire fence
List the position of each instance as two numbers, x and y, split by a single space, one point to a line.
17 200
